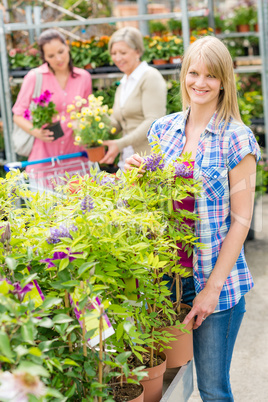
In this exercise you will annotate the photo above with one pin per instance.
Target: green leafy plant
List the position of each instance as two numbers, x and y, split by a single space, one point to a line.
27 57
157 27
174 26
44 111
243 15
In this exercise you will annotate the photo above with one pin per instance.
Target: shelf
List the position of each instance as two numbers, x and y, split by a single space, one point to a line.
178 384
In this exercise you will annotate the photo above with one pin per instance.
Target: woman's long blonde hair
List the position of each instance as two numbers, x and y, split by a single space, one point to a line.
219 63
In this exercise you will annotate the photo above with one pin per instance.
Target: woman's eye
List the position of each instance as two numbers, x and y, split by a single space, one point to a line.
192 72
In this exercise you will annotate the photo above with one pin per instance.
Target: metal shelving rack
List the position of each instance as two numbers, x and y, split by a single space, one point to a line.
37 25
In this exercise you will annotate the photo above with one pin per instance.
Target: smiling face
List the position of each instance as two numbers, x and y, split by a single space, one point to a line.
124 57
202 87
57 55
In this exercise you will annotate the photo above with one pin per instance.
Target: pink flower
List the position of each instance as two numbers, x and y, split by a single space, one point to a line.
12 53
17 386
33 51
43 98
27 114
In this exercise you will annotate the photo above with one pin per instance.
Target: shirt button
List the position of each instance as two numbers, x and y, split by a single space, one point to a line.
215 176
62 142
64 104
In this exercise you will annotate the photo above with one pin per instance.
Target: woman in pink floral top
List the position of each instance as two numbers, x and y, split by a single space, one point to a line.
65 82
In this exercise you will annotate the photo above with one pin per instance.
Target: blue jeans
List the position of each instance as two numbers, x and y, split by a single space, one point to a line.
213 348
188 290
213 345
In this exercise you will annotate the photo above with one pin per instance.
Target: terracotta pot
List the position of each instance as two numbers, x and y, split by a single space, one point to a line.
256 27
182 348
217 31
159 61
175 59
243 28
88 66
95 154
139 398
153 383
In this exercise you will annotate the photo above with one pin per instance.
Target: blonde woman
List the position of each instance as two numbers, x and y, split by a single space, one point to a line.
139 99
224 153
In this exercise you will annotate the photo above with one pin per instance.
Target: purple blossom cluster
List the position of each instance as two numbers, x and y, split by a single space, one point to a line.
107 180
87 204
181 170
57 233
43 99
153 162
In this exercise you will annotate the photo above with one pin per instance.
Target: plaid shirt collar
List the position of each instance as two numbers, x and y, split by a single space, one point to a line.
179 124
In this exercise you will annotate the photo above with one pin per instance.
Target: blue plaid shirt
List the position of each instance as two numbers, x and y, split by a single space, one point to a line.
218 152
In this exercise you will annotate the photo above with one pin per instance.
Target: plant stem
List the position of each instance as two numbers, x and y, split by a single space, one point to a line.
178 294
84 326
67 305
100 352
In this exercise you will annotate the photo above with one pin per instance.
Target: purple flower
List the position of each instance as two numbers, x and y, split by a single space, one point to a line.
87 204
153 162
21 292
107 180
181 170
57 233
58 255
27 114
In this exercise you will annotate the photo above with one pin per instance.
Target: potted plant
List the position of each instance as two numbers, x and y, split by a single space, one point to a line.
43 114
156 50
219 23
157 28
242 17
90 122
175 48
175 26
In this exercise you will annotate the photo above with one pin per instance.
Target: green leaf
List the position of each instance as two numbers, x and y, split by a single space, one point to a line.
50 302
5 345
71 391
28 279
64 264
33 368
119 331
46 322
122 357
11 263
85 267
70 362
61 319
27 332
35 351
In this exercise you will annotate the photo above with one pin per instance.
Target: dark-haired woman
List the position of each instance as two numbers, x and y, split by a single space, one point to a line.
65 82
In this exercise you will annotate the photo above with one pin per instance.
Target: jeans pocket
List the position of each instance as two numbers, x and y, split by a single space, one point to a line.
215 180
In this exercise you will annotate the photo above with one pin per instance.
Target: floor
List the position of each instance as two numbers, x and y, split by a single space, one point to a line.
249 370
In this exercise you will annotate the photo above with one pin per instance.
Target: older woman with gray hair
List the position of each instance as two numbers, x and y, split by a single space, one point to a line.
139 100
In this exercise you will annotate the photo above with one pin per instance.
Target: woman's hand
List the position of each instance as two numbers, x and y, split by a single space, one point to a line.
43 134
133 162
203 305
112 152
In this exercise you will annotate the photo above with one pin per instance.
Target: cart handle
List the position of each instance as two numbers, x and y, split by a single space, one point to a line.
19 165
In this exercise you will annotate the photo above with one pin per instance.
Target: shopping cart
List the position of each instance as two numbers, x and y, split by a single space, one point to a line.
49 173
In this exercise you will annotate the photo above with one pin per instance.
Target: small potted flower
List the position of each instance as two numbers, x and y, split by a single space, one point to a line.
175 48
43 114
91 125
242 17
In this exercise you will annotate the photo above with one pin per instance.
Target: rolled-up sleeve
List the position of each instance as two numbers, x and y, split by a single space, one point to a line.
242 142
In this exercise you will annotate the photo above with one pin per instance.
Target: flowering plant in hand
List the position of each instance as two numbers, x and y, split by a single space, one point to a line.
43 112
90 121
